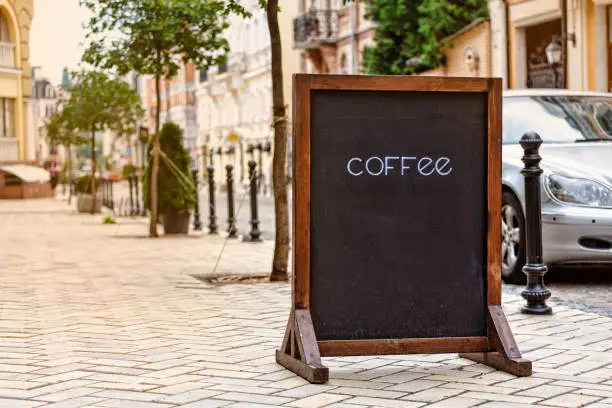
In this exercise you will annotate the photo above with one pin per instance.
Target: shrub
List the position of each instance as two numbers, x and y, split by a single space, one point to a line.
175 193
83 184
128 170
108 220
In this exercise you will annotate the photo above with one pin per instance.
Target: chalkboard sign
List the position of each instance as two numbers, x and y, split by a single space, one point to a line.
396 180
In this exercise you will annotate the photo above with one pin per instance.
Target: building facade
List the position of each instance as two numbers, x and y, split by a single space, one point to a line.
177 103
45 100
234 101
18 140
331 36
581 28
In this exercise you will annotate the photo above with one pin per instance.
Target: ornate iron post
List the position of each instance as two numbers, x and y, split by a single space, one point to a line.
231 220
112 201
197 224
137 194
255 232
212 218
130 181
535 293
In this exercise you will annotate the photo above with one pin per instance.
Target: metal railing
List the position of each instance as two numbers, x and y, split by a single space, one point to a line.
314 27
7 55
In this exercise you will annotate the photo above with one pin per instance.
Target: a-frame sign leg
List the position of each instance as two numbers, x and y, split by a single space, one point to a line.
300 351
504 354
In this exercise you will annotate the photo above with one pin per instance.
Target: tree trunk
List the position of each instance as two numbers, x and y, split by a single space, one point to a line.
155 169
279 178
69 161
93 171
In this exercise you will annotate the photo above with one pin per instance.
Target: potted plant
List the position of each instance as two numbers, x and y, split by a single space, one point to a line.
84 197
176 197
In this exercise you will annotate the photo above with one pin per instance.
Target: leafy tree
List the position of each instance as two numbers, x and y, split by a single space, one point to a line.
128 112
397 37
61 131
411 34
157 38
98 103
280 261
442 18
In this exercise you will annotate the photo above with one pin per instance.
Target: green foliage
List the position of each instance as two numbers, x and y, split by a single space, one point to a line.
157 36
128 170
109 220
98 102
83 184
61 128
411 34
173 194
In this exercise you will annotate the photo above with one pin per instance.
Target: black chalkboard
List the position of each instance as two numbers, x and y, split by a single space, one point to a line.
392 255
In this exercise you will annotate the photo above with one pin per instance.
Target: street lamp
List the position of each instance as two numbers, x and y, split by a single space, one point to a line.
553 56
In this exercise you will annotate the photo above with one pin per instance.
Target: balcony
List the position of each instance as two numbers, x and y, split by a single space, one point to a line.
7 55
315 27
259 60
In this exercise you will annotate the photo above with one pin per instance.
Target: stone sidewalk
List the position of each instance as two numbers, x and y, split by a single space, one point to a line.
95 315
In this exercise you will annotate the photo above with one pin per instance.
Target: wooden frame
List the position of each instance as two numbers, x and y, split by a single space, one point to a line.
301 352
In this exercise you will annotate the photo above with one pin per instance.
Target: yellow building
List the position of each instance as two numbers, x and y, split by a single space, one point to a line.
16 133
582 28
468 53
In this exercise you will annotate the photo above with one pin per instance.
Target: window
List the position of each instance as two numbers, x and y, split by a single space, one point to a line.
4 29
203 75
223 68
136 83
7 117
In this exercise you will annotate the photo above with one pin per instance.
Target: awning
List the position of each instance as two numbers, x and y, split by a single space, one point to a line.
28 174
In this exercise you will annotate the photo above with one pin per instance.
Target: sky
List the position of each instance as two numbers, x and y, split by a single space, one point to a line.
56 36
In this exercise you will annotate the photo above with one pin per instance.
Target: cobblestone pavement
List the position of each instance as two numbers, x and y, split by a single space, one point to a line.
94 315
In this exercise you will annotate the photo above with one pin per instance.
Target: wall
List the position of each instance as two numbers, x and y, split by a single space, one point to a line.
476 37
20 14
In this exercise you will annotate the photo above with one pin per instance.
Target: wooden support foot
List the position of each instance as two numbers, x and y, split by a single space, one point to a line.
300 351
504 354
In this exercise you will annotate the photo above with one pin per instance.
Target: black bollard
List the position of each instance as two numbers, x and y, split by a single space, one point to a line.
131 209
197 224
535 292
104 192
136 195
212 218
255 232
231 221
110 194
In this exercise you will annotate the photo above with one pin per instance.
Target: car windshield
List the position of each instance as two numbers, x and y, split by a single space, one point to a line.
558 119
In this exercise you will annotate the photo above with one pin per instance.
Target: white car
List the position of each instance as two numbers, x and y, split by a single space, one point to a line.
576 129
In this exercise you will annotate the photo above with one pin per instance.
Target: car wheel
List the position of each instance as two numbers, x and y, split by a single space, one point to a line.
513 239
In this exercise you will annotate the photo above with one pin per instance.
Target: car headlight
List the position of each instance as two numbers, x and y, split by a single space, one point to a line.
579 191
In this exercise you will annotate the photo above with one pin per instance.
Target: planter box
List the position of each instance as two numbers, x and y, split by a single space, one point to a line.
84 202
176 223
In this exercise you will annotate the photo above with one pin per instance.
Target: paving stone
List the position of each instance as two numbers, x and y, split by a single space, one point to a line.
433 394
500 397
127 326
67 394
13 403
570 400
260 399
545 391
415 386
456 402
318 400
379 402
207 404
